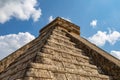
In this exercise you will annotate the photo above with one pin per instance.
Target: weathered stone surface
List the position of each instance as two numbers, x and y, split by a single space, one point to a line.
38 73
59 76
59 53
35 78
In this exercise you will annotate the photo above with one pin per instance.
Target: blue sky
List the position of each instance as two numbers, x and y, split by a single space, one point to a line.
21 20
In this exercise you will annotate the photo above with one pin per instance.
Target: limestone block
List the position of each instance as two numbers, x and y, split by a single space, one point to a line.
59 76
61 40
69 65
41 66
60 32
55 34
47 61
80 59
58 69
66 55
43 58
58 64
38 73
47 50
71 76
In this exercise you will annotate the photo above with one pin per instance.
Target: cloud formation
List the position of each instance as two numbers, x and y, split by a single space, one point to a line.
51 18
100 38
115 54
93 23
10 43
20 9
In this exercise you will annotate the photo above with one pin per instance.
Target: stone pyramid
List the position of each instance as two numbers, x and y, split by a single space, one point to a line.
60 53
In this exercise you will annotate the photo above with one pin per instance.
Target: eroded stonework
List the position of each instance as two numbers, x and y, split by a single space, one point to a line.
59 53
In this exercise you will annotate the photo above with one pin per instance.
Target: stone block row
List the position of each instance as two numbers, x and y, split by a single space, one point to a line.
62 41
63 53
68 63
63 73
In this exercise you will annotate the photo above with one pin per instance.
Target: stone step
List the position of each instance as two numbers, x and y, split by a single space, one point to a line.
61 40
53 50
61 59
60 36
63 47
60 32
55 69
38 73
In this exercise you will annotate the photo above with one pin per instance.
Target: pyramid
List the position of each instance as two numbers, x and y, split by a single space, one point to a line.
60 53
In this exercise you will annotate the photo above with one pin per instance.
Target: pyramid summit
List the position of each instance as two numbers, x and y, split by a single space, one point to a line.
60 53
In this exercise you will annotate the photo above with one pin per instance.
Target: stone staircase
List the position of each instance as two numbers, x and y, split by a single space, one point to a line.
59 59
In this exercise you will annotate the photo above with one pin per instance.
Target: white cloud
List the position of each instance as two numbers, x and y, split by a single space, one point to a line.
51 19
10 43
115 54
93 23
20 9
113 37
100 38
